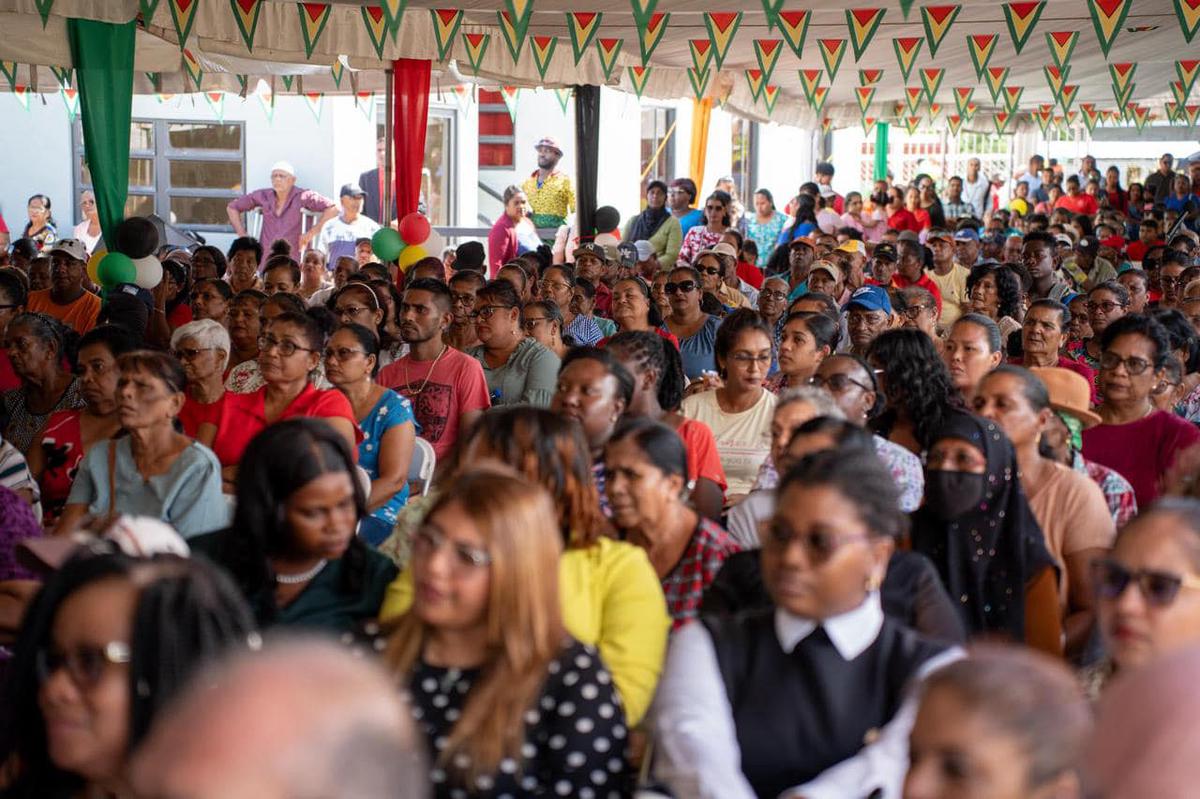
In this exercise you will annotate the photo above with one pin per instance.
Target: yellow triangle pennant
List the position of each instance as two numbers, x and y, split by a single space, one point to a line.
1066 97
969 111
1107 18
337 70
863 23
191 65
996 78
699 81
826 125
981 47
954 123
793 25
767 52
651 34
810 79
832 52
770 97
1062 45
1055 78
583 26
820 95
1188 14
907 49
911 123
869 77
937 21
1187 70
1012 98
638 77
609 49
477 45
245 14
1192 112
543 52
868 124
446 22
1171 110
514 35
865 95
722 27
912 98
314 102
1021 19
962 96
393 11
935 111
511 95
376 24
754 79
1122 76
183 14
702 53
313 19
931 81
1178 92
1001 120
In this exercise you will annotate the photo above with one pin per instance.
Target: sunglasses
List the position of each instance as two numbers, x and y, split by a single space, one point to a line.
187 353
819 547
428 540
708 270
1158 588
683 287
1134 366
85 665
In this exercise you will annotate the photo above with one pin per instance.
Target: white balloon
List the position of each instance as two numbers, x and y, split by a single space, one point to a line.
434 244
607 240
149 271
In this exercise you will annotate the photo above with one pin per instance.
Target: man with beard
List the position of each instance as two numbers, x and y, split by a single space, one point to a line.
446 387
549 190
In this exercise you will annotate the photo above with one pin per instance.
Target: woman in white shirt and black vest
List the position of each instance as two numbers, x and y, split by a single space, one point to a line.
811 694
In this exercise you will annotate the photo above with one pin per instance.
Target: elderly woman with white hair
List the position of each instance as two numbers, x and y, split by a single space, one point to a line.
203 348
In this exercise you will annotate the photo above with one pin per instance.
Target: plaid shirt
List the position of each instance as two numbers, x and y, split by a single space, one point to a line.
960 210
1117 490
703 558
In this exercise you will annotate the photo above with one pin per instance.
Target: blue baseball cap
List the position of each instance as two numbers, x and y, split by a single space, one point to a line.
871 298
966 234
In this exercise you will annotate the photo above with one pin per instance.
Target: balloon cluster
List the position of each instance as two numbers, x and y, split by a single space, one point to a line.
130 259
414 239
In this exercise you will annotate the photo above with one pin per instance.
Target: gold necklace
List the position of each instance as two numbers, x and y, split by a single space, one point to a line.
428 374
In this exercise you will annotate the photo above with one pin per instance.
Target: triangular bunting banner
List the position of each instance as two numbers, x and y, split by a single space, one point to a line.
564 98
907 50
1192 113
935 111
1122 76
1066 98
1012 98
832 52
754 79
71 100
810 79
981 47
375 23
865 95
771 9
1001 120
314 101
767 52
651 34
1107 18
9 70
62 75
699 81
288 81
393 12
863 23
1062 45
543 52
638 76
996 78
245 14
313 19
1141 114
911 123
1171 110
642 10
906 7
1021 19
869 77
216 101
476 46
192 66
243 84
510 95
722 27
1055 78
21 92
1188 13
513 39
266 101
147 8
954 122
609 49
464 93
826 125
931 81
820 95
1178 93
868 124
337 70
366 101
701 50
962 96
1123 98
912 98
793 26
446 22
583 25
770 96
183 14
937 21
517 13
1186 70
1090 116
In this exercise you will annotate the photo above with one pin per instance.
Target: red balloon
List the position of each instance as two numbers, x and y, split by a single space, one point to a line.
414 228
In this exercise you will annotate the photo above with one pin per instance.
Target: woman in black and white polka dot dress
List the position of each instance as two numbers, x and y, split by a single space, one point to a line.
510 704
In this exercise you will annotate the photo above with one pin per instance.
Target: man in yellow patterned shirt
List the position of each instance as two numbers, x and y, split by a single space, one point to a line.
549 191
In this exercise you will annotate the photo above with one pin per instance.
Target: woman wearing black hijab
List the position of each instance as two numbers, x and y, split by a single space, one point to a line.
977 528
657 225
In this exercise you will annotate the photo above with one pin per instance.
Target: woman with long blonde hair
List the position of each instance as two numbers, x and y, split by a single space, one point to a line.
509 702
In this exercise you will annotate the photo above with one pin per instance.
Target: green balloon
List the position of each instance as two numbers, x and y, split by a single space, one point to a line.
387 244
116 268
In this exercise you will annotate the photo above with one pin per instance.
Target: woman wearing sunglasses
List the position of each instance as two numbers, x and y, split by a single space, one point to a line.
542 321
695 329
519 370
770 700
107 643
703 237
1134 438
1148 588
202 347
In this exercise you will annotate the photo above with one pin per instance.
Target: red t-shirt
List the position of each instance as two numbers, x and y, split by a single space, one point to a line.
245 416
1136 251
703 460
193 414
180 316
926 282
441 395
1079 204
1141 451
750 273
904 220
1077 367
8 378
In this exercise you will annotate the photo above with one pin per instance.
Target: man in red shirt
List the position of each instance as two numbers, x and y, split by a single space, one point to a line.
910 269
824 172
1147 238
1076 201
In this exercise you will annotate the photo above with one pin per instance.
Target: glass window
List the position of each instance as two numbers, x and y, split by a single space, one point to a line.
435 177
495 131
206 175
744 139
658 145
141 136
139 205
204 136
141 172
199 210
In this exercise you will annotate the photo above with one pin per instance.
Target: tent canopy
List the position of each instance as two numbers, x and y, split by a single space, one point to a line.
307 38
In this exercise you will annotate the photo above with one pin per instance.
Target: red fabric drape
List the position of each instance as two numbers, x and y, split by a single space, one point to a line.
410 118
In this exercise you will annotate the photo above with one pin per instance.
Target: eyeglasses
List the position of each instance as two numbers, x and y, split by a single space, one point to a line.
428 540
773 295
350 310
487 311
683 287
342 353
709 270
1158 588
1109 361
1108 306
85 665
557 285
714 208
187 353
819 546
837 383
746 359
1167 280
532 322
462 299
286 348
914 311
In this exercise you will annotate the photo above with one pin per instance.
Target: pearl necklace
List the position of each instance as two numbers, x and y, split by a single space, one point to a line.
302 577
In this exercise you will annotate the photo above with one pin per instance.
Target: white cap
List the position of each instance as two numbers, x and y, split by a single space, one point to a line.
284 166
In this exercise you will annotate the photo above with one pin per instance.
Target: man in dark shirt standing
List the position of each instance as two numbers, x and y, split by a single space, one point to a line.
1158 185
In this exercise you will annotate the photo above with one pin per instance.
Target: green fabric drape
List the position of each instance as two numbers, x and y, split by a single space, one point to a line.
881 150
103 57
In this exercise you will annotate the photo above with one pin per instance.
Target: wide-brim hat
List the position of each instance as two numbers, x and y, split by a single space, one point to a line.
1069 392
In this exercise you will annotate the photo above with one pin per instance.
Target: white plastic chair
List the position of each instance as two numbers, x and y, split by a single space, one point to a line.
420 470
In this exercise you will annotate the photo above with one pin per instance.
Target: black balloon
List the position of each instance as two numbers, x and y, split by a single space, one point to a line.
136 237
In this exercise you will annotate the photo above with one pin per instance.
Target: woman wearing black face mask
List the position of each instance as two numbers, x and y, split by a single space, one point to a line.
977 528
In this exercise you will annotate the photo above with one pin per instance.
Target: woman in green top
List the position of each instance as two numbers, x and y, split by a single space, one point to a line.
656 225
292 548
519 370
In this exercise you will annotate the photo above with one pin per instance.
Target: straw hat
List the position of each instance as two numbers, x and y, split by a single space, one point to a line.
1069 393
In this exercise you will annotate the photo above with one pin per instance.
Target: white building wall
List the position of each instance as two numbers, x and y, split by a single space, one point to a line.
35 158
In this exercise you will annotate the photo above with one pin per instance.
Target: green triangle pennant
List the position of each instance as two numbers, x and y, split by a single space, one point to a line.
1187 71
1107 18
996 78
243 83
393 12
514 37
754 79
699 81
722 27
771 9
1012 98
147 8
767 51
638 77
642 11
313 19
245 14
651 34
1021 19
446 22
183 15
907 49
43 9
937 21
863 24
609 49
931 81
981 47
543 48
1062 46
9 70
1188 14
62 75
476 46
564 98
583 27
377 27
793 25
832 52
962 98
770 96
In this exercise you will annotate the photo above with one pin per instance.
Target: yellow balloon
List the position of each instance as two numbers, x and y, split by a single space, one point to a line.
412 253
93 265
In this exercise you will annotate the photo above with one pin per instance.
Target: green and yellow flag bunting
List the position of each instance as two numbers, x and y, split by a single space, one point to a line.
868 125
1123 98
288 80
911 123
931 81
754 79
266 101
981 47
771 9
1188 13
216 101
642 9
810 79
699 81
543 48
364 100
912 98
863 23
393 12
907 49
1012 98
865 95
1170 109
1062 45
313 19
770 95
832 52
996 78
702 51
1107 18
651 33
869 77
820 95
376 24
43 8
937 21
1177 91
9 70
183 15
337 70
21 92
935 111
463 95
1001 120
510 95
1141 114
1122 77
476 45
954 122
564 98
793 26
1066 98
722 27
1044 116
191 66
313 101
1191 112
245 13
767 51
1055 78
1021 19
962 96
1090 116
1186 70
514 36
638 77
583 26
518 14
609 49
62 75
446 22
145 7
826 125
70 98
